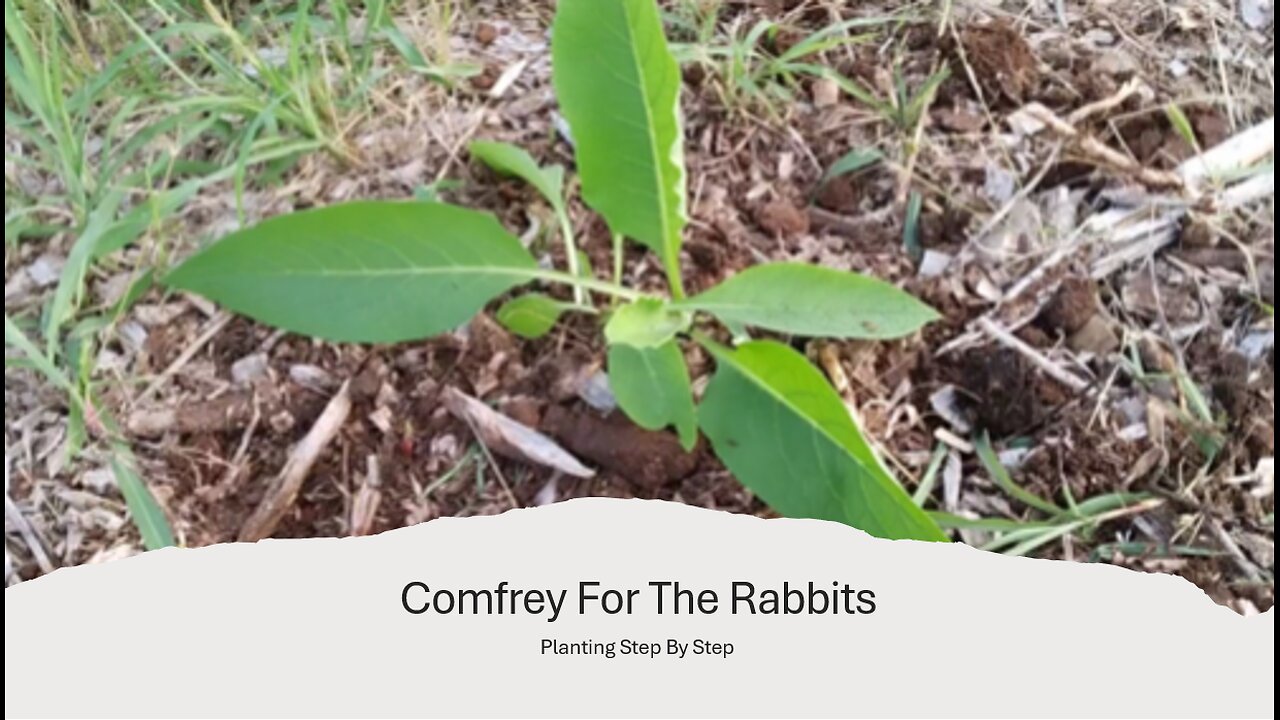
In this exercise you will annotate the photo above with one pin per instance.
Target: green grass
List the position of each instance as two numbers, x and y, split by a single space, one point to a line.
749 76
124 113
1023 537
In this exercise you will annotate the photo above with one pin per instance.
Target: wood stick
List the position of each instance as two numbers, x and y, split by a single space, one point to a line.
1011 341
284 489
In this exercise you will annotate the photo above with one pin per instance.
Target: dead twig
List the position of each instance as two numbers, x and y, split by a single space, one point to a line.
1011 341
284 489
364 506
211 330
15 518
1102 154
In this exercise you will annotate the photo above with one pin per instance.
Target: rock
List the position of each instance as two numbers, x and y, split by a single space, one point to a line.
1116 63
825 92
1096 336
250 368
934 263
1099 37
1258 14
46 270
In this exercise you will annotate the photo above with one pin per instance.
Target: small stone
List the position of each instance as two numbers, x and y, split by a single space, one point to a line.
934 263
1258 14
383 419
959 120
1100 38
826 92
486 34
250 369
1116 63
282 422
46 270
311 377
597 393
1096 337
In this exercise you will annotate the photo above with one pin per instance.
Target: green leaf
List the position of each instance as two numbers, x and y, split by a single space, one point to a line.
531 316
507 159
911 228
377 272
854 161
143 508
619 89
814 301
785 434
1000 476
652 387
645 323
1182 124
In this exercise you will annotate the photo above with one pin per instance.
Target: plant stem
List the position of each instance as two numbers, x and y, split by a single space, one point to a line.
571 254
617 259
586 283
674 279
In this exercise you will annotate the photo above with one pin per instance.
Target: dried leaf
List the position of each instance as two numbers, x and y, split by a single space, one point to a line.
509 438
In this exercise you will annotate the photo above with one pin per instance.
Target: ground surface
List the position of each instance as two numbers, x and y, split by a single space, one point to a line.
1141 383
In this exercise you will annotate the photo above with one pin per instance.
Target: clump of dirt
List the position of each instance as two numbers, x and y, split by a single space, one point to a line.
1003 63
1002 386
782 219
649 459
1072 306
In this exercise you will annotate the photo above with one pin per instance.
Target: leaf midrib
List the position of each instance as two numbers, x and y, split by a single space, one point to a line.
664 213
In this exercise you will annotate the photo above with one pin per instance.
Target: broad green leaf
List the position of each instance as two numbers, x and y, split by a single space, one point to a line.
507 159
531 316
814 301
645 323
376 272
785 434
652 387
619 89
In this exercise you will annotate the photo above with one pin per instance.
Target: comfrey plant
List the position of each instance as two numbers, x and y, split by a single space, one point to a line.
382 272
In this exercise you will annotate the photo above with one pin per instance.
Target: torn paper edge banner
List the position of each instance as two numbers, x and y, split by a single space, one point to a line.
316 628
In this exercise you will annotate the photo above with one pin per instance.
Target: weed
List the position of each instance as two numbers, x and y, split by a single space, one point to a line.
397 271
751 77
1018 538
905 108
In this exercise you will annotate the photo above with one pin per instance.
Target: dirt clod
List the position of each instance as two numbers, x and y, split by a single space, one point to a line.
647 459
1002 386
486 34
1002 61
781 218
1072 306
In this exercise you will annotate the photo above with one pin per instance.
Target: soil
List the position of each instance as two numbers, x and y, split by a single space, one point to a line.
210 442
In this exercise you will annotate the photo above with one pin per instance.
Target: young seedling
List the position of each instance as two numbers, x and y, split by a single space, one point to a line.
381 272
